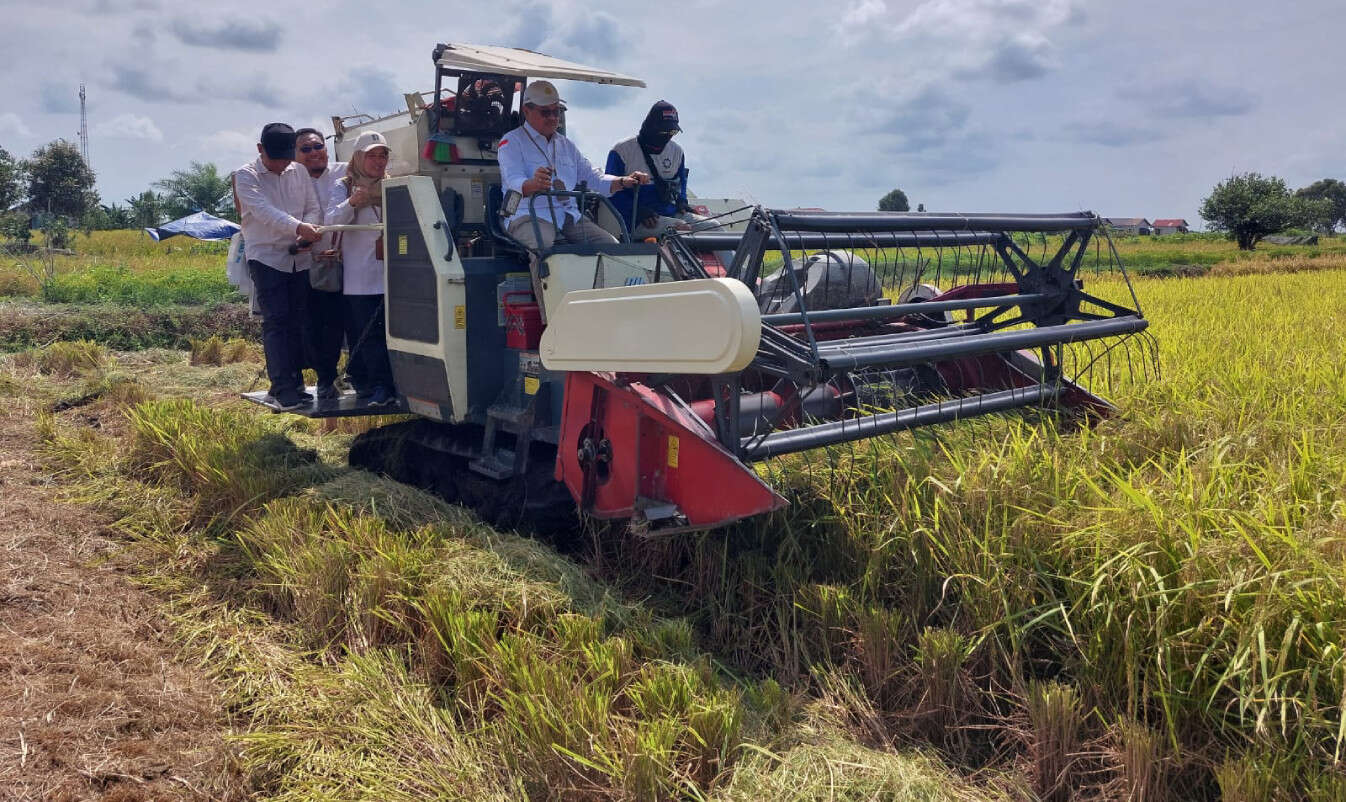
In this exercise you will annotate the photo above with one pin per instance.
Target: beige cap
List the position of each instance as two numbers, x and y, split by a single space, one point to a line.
542 93
368 140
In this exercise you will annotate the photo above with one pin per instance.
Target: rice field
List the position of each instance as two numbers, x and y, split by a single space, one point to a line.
1153 608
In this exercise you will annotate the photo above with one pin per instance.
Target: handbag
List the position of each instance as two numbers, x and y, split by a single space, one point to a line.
378 243
325 274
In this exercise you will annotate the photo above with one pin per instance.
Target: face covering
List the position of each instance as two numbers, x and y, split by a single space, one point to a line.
654 141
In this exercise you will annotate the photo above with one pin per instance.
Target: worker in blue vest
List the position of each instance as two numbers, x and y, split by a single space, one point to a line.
653 208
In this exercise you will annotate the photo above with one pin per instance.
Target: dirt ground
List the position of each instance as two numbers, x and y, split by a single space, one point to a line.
94 703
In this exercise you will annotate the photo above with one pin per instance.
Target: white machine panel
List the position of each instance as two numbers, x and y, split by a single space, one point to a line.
704 326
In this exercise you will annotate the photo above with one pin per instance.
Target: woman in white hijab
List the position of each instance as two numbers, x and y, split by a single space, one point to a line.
358 199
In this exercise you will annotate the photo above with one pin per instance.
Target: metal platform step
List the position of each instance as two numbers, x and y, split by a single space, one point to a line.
497 465
348 405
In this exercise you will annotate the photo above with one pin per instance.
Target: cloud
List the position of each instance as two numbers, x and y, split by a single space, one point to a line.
1191 98
929 132
123 6
591 96
259 90
367 90
1022 57
859 15
532 23
12 125
140 83
578 33
917 122
250 35
1003 41
144 35
129 126
59 98
595 34
1112 135
229 141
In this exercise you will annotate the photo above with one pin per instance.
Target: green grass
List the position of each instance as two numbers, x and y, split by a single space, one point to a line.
123 267
120 284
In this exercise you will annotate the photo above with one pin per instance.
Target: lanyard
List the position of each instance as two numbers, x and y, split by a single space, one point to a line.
556 182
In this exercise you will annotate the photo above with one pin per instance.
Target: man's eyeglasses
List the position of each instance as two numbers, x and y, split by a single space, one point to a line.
311 148
548 112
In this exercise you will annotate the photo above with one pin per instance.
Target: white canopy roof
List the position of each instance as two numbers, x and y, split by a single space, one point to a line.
525 63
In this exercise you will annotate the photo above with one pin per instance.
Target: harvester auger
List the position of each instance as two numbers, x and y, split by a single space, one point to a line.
663 378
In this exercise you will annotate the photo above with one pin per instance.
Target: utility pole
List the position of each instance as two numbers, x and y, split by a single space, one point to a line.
83 129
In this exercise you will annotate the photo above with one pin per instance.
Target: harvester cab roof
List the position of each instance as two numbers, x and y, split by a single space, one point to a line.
662 375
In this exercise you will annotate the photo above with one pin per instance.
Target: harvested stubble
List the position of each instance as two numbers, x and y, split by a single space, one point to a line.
216 350
550 686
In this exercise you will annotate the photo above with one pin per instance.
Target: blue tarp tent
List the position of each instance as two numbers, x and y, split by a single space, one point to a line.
199 225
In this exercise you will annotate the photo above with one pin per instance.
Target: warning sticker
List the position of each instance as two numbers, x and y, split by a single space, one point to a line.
673 444
531 385
401 244
460 317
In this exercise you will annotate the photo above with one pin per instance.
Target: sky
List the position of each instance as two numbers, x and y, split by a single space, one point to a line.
1130 109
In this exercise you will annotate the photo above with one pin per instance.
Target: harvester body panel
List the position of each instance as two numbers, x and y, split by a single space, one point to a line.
697 327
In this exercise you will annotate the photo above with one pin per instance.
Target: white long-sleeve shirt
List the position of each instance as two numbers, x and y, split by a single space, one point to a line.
361 273
271 207
523 150
325 186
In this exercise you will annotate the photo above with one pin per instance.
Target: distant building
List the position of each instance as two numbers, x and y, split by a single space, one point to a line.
1170 225
1130 225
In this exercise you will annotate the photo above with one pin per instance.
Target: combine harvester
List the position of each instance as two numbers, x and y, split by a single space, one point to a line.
662 376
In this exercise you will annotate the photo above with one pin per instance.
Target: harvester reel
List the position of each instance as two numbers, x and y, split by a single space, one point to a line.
909 320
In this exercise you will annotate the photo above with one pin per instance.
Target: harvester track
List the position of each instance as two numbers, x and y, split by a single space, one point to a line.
436 457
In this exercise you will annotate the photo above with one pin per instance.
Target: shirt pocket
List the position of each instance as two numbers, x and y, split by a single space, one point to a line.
567 169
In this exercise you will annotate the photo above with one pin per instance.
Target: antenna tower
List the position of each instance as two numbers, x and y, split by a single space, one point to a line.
83 128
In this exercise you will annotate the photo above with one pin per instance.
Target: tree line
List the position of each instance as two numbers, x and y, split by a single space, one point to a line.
1250 206
55 184
1245 207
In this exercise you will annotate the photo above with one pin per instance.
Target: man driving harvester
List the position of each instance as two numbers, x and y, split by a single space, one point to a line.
536 158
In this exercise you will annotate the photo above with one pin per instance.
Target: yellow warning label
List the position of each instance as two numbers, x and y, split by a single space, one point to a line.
531 385
401 244
673 445
460 317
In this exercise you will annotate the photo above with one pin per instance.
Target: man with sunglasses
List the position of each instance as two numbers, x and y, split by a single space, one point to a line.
326 309
536 157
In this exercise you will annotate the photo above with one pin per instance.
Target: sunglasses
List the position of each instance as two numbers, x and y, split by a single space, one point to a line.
548 112
311 148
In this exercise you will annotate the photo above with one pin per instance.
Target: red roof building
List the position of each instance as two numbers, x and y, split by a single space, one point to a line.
1170 225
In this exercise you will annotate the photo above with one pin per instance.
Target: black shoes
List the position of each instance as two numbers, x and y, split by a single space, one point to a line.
328 392
288 400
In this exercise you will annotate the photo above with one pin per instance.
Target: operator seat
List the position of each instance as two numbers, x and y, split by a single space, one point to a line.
494 199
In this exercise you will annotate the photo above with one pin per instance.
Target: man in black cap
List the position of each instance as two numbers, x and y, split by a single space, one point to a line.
651 209
278 208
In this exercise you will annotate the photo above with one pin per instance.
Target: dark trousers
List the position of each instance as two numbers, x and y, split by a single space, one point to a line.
368 365
326 329
283 299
